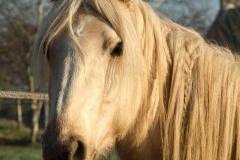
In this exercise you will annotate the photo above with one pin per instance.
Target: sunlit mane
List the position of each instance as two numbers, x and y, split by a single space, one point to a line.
189 89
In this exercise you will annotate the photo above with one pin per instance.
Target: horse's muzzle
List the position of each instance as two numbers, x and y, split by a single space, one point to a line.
72 149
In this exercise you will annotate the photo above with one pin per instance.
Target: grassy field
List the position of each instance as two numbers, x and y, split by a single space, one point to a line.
10 134
20 153
15 144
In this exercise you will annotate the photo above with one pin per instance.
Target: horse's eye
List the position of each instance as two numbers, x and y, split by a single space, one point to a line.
117 51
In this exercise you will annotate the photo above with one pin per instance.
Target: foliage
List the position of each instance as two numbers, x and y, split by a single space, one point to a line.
17 20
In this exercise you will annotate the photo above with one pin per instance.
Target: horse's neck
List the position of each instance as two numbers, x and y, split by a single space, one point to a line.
149 148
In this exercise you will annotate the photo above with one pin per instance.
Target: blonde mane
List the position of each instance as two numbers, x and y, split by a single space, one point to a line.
196 91
190 89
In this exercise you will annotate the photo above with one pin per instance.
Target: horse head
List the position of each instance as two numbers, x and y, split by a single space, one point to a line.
95 70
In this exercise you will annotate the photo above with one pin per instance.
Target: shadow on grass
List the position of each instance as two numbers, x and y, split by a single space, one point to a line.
14 142
11 135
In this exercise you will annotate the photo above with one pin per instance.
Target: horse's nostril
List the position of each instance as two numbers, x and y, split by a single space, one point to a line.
80 152
73 148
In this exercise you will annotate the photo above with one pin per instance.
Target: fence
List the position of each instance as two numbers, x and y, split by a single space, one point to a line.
24 95
36 108
27 95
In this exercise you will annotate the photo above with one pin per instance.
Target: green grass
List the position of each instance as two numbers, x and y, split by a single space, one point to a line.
10 134
20 153
15 144
9 130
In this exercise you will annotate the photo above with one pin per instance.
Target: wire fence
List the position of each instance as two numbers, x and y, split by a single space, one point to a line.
24 95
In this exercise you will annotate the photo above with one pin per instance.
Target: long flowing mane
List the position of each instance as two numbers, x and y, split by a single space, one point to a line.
191 93
199 115
200 111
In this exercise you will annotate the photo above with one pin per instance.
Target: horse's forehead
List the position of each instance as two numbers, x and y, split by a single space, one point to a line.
91 21
90 25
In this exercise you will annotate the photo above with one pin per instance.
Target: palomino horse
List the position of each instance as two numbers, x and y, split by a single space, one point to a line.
121 77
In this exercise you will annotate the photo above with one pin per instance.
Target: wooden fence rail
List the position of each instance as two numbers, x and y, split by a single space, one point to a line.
24 95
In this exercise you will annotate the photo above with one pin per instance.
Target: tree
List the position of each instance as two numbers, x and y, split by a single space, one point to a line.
195 14
20 22
226 28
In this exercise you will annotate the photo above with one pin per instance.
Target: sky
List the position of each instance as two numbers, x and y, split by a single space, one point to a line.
189 9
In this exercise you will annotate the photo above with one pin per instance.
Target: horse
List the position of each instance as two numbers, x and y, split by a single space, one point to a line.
122 77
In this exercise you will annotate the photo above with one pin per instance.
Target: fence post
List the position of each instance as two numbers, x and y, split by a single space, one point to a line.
36 107
19 112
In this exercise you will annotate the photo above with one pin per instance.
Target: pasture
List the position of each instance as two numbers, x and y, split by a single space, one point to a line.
13 152
15 144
